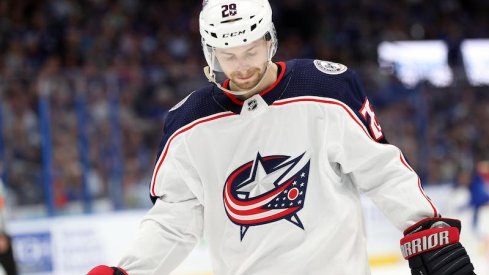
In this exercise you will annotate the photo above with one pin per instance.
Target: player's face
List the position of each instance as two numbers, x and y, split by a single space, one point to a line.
244 65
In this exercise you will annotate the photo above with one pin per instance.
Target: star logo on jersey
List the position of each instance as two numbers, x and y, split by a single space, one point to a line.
266 190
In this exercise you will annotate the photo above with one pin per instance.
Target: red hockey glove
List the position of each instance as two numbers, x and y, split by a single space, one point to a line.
432 247
107 270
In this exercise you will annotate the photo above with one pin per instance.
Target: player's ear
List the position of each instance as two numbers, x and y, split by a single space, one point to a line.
269 44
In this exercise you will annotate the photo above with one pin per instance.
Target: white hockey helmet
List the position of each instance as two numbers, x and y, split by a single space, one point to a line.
232 23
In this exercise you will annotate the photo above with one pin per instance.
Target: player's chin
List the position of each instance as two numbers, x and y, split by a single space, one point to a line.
246 84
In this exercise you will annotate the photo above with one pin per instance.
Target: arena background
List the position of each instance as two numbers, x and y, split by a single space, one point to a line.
85 86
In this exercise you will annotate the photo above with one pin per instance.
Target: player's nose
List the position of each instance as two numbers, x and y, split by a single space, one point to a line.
242 65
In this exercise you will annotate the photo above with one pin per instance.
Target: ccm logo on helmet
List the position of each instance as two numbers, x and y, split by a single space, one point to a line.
232 34
425 243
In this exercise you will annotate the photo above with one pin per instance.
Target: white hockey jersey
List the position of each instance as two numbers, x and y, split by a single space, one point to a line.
273 183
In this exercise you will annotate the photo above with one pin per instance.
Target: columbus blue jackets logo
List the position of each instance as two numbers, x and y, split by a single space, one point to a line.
267 189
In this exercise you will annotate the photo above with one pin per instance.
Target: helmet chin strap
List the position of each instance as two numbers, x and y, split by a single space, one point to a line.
211 76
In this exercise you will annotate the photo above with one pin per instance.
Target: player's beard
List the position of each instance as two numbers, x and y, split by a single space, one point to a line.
247 80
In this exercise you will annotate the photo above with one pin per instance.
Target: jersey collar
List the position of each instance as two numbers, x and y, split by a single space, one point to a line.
270 94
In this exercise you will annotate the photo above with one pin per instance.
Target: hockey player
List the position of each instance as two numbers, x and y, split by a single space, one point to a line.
268 165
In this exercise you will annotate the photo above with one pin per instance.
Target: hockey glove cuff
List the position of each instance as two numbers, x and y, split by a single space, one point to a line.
107 270
432 247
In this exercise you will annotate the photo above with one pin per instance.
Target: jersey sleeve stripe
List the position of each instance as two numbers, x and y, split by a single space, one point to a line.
435 211
355 118
173 136
403 160
326 101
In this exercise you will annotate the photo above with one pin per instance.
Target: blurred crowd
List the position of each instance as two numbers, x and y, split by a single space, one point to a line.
130 61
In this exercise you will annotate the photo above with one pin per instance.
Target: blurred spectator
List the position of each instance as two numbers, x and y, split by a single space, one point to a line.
6 252
479 188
